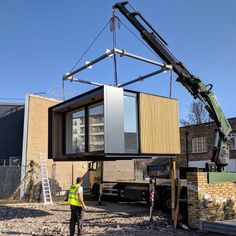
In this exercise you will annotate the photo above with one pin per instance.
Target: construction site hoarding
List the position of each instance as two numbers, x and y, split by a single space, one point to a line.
111 123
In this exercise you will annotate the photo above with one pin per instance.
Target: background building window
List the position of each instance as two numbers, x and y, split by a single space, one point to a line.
96 127
199 145
74 136
78 123
233 145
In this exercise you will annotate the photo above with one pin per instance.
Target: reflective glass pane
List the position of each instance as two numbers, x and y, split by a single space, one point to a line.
78 140
75 131
130 123
96 127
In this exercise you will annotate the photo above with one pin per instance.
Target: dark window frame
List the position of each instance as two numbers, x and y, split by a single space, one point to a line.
86 126
130 93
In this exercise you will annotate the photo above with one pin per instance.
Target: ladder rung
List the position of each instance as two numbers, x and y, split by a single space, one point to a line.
44 179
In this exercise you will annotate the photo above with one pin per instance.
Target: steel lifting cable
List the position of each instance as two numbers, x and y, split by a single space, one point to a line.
112 28
82 56
78 61
171 79
171 71
137 37
147 46
113 21
131 7
63 90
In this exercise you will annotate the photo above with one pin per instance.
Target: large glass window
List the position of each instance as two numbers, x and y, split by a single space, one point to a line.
130 123
86 124
75 131
96 127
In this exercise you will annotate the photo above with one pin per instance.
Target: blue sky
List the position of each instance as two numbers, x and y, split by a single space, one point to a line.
42 40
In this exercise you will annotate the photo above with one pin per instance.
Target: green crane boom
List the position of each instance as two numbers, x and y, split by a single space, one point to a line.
193 84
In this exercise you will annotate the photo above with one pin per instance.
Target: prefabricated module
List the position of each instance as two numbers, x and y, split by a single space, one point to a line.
111 123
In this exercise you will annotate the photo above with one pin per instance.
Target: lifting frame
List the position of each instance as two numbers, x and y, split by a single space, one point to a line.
109 53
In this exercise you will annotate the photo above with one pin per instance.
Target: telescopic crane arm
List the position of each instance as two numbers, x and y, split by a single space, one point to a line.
193 84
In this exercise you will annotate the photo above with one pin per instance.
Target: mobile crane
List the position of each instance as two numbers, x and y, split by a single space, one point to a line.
193 84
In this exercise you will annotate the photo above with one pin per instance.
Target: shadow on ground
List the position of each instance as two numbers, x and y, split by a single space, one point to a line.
9 212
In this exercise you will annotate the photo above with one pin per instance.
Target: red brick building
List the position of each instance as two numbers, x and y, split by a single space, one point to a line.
197 142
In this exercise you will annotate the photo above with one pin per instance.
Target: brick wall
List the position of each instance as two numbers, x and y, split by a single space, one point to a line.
211 202
62 173
189 132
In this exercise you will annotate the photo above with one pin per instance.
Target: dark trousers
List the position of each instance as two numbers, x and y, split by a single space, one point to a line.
76 217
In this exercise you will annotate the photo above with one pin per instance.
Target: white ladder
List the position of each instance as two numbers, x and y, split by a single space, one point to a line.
44 178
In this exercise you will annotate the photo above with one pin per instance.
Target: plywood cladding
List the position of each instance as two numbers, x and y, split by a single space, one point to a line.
159 125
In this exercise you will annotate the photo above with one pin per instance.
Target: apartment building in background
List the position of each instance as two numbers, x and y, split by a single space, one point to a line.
95 120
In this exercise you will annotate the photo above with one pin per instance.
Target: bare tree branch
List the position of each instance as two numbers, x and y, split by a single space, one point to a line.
197 114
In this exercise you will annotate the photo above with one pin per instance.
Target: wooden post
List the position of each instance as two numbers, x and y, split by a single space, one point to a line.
152 197
100 194
173 189
176 213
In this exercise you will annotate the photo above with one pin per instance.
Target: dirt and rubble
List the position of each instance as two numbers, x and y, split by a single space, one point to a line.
107 219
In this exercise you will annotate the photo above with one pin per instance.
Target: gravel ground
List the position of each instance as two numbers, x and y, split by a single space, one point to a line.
107 219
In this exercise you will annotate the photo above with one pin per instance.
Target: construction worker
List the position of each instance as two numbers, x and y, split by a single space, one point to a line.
77 205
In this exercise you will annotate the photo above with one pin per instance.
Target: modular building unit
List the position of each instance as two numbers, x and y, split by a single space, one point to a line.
110 123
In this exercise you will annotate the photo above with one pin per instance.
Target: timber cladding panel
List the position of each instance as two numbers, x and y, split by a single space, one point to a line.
159 125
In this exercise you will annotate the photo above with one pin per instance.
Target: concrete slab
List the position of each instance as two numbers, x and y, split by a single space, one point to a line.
226 227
